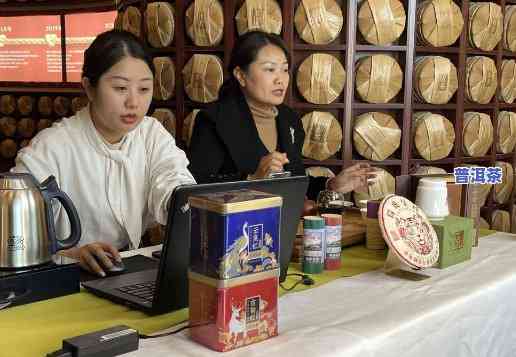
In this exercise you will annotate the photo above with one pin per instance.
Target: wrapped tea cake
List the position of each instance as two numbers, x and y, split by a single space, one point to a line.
381 22
164 78
429 170
382 185
506 129
320 78
503 191
318 22
262 15
203 77
45 105
26 127
501 221
7 104
188 126
434 135
167 118
481 79
439 22
61 106
319 171
378 78
8 148
509 28
477 134
376 136
132 20
323 135
508 81
78 103
485 25
435 79
513 224
205 22
7 126
25 104
159 21
43 124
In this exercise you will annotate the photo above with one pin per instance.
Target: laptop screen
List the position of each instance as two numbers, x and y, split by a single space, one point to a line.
175 257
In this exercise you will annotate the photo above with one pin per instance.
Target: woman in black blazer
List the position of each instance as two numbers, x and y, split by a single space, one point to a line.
226 144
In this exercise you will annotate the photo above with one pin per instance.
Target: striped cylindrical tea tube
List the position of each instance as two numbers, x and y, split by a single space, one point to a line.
313 244
333 236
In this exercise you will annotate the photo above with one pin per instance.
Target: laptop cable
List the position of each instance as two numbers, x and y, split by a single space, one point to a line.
304 279
142 336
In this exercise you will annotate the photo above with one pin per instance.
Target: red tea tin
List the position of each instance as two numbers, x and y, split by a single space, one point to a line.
231 313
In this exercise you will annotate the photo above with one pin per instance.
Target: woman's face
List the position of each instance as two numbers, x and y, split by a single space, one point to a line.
266 79
121 99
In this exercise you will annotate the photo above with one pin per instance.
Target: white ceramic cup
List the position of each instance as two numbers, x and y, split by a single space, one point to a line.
432 197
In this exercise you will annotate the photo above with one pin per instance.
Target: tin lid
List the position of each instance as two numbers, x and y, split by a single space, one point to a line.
332 219
229 283
408 232
235 201
313 222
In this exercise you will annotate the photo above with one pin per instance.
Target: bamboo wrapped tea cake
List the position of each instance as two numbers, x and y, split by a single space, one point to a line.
188 126
508 81
506 129
167 118
481 79
7 104
25 104
159 22
378 78
7 126
477 134
262 15
439 22
429 170
61 106
434 135
8 148
376 136
513 224
320 78
503 191
78 103
501 221
382 185
205 22
318 22
203 77
509 28
132 20
323 135
45 105
43 124
485 25
164 78
381 22
26 127
435 79
319 171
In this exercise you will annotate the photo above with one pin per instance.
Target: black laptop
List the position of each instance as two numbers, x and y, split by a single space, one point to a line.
165 288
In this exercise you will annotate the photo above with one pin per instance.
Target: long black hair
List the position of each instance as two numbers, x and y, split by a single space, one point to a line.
244 53
108 49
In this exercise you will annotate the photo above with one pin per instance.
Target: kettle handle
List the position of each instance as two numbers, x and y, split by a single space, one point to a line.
50 190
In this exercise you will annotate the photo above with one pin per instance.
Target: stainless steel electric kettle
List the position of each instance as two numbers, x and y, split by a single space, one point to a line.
27 232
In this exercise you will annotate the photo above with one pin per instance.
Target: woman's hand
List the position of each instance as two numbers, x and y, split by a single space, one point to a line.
90 255
353 178
271 163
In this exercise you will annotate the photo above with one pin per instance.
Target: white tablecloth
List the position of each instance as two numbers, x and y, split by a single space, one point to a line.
466 310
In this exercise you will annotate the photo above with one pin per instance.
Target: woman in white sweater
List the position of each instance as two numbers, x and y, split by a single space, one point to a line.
118 166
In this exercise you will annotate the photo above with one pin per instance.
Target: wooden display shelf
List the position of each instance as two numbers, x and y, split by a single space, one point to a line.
310 47
386 162
437 50
329 162
40 89
431 107
448 160
378 106
367 48
312 106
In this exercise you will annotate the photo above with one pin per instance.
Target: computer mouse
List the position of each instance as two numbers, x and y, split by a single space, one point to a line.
118 267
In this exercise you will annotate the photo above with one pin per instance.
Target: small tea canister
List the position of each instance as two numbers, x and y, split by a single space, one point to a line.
231 313
332 245
234 233
313 244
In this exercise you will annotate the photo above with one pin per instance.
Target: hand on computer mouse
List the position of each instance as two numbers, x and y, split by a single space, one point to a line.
95 257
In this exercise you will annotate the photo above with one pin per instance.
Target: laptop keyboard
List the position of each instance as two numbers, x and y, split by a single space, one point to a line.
144 291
